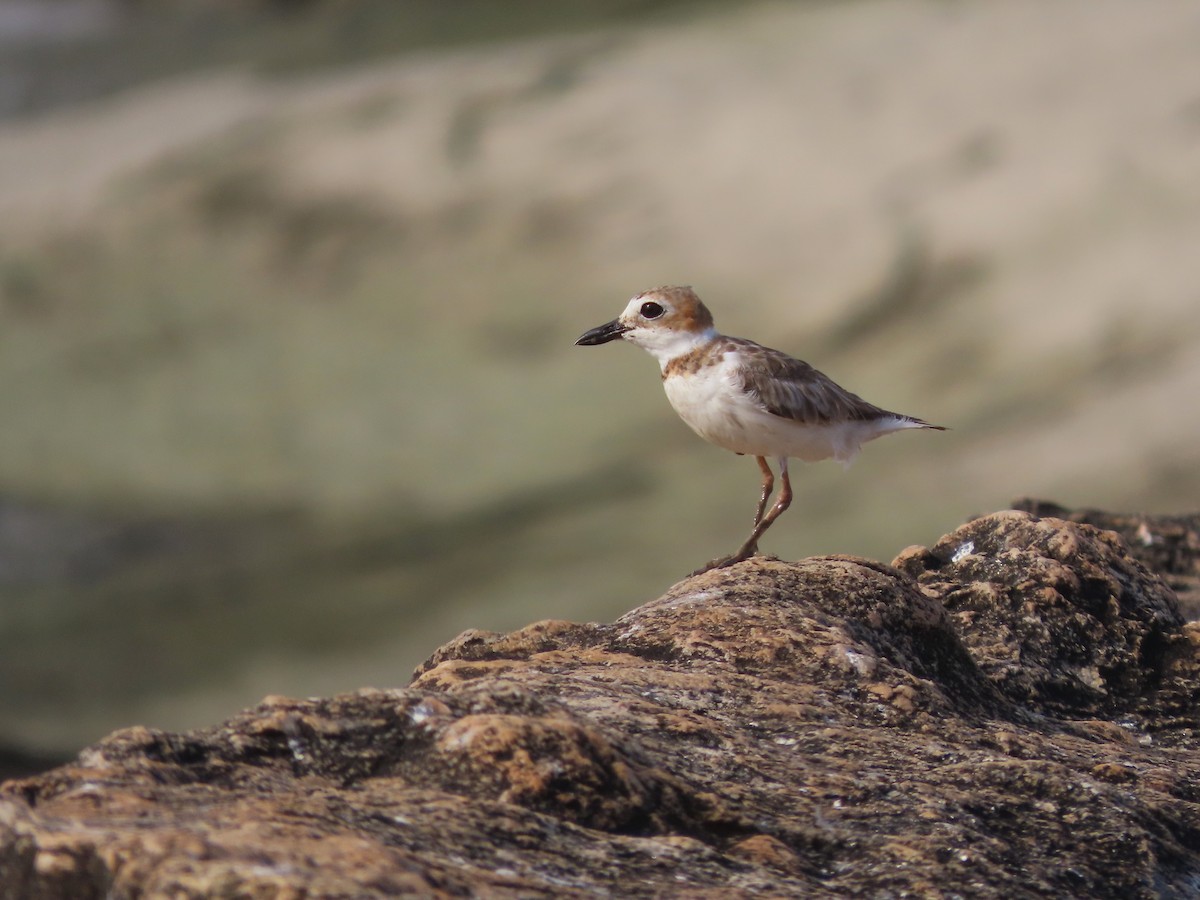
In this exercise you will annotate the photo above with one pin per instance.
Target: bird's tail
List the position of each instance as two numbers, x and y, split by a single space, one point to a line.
914 422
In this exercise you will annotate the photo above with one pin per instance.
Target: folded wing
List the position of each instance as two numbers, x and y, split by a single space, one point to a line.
792 389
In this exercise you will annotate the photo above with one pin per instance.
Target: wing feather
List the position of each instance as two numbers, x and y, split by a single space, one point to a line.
792 389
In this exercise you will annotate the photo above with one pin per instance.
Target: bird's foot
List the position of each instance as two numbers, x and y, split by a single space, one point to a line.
723 561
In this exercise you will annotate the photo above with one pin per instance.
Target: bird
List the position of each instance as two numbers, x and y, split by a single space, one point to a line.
747 398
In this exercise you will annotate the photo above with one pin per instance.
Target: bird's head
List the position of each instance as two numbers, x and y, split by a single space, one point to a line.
666 321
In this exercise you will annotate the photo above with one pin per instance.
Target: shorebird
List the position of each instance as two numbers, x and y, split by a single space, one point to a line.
746 397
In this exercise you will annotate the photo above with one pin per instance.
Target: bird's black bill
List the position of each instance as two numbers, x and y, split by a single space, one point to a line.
602 334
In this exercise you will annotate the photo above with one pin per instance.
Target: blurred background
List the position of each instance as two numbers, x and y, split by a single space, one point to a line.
288 291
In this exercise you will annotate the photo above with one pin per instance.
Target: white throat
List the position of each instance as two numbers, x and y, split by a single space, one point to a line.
668 344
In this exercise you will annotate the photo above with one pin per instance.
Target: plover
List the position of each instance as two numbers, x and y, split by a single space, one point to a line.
746 397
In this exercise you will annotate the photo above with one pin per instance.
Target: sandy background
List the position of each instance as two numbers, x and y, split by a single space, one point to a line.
286 362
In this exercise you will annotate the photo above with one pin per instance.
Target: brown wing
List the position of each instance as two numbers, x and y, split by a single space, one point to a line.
793 389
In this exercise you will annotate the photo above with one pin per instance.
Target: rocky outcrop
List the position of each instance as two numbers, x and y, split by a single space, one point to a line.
1168 545
1011 712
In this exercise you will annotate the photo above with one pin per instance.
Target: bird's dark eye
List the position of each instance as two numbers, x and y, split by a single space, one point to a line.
651 310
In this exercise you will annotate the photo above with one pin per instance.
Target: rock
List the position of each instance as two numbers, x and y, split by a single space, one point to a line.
1169 545
1062 619
1011 712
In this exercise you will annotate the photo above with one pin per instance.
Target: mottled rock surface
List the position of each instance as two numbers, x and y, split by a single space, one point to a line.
1011 712
1169 545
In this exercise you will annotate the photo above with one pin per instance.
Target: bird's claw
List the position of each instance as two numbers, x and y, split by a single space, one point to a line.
722 561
